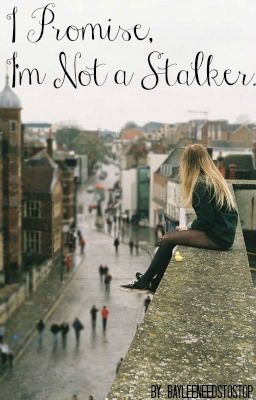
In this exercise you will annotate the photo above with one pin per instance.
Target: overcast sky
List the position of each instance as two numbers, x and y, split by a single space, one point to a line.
179 29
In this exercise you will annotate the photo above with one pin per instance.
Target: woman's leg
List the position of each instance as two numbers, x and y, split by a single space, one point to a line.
163 255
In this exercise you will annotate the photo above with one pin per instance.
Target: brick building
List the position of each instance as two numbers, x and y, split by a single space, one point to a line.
10 181
42 210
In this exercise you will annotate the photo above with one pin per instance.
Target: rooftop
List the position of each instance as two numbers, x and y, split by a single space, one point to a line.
40 174
8 99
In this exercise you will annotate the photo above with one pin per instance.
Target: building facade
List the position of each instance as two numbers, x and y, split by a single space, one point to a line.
42 210
10 128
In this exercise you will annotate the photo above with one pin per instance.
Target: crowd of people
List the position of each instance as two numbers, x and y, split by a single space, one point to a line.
75 236
62 329
59 330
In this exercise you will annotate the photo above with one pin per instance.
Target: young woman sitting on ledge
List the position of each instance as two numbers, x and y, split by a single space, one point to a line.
204 188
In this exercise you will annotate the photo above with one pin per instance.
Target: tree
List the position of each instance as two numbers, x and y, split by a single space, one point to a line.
82 142
130 125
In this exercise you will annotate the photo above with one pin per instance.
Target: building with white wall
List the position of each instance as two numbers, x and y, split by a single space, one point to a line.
129 190
153 161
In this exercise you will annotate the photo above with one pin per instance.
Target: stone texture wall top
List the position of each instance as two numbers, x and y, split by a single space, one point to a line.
199 328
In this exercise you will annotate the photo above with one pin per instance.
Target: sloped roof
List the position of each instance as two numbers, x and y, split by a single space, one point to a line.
131 134
242 161
41 159
40 174
37 125
225 143
173 159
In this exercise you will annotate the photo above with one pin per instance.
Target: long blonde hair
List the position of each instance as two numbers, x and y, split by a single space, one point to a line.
195 160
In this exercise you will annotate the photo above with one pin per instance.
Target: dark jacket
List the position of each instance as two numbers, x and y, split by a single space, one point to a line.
218 223
77 325
55 328
64 328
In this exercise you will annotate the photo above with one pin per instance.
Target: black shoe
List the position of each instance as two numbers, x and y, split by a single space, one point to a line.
138 275
137 286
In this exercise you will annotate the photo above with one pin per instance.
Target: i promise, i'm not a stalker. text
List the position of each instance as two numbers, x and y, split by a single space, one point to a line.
78 72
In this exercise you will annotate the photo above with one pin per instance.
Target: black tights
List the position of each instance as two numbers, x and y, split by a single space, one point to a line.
163 255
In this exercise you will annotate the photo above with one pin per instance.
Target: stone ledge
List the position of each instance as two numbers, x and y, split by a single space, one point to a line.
199 328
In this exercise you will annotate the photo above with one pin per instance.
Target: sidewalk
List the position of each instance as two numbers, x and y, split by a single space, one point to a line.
22 324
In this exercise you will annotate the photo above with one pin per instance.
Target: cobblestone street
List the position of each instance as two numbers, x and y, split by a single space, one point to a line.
55 374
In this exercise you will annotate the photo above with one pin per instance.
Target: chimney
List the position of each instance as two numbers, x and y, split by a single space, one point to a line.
205 138
232 171
49 141
209 150
221 165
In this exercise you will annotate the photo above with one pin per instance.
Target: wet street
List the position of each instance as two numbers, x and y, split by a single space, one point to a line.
50 373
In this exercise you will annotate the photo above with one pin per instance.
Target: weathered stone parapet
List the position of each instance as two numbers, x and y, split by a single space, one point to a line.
199 329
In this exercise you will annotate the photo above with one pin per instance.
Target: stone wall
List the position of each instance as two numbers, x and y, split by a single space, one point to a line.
13 296
199 329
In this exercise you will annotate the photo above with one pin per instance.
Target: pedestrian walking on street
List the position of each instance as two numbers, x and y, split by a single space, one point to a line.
94 312
107 281
101 272
109 224
137 248
122 232
40 326
79 234
214 228
104 315
64 328
105 270
70 241
4 353
116 244
82 245
68 262
62 267
78 327
2 333
131 244
119 365
10 357
74 242
147 301
55 328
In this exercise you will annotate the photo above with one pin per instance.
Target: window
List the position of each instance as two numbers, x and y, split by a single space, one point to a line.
32 209
13 126
32 242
